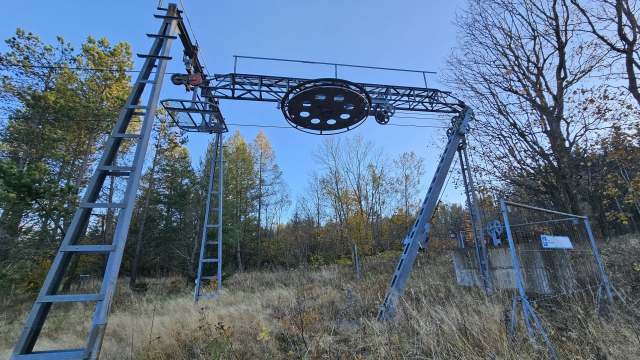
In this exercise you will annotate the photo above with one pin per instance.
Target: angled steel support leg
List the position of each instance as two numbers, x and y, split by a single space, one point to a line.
418 237
474 214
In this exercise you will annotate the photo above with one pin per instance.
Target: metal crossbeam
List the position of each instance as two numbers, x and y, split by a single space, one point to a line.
272 89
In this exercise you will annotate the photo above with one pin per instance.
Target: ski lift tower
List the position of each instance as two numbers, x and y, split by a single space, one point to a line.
317 106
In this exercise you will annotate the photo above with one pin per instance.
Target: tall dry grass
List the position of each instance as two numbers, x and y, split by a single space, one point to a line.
328 313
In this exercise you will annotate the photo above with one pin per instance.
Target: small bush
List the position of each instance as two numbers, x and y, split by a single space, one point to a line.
141 287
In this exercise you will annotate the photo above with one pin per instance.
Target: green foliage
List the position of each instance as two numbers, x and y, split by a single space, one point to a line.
141 287
8 277
239 217
315 260
37 273
211 341
59 115
169 210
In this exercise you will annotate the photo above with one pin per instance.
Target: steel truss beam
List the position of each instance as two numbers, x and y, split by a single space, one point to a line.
272 89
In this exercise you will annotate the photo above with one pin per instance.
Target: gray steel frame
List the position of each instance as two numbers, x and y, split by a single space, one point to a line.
203 116
592 242
273 88
526 307
335 65
418 237
72 242
476 221
216 164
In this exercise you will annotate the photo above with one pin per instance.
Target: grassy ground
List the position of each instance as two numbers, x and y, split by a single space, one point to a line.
328 313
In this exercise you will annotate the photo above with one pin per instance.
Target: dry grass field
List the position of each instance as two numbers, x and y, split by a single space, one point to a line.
327 313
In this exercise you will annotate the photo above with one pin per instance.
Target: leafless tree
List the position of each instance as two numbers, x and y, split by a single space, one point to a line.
517 63
615 24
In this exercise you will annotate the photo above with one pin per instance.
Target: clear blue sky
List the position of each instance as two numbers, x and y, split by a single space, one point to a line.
410 34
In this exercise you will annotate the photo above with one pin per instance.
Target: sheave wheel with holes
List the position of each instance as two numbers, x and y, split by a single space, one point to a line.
326 106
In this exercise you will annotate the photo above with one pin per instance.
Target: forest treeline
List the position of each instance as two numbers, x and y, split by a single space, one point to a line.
553 85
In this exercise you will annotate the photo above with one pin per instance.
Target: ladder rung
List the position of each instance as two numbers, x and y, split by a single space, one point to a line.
209 277
167 17
209 260
127 136
162 36
120 173
211 243
138 113
96 249
213 226
70 298
103 205
149 81
159 57
118 170
146 107
66 354
206 296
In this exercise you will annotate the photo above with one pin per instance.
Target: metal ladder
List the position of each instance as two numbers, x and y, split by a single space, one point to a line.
213 221
72 244
418 237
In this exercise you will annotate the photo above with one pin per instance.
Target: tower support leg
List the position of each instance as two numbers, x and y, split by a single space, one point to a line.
210 263
418 237
94 204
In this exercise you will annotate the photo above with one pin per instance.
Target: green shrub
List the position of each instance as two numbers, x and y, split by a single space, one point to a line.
140 287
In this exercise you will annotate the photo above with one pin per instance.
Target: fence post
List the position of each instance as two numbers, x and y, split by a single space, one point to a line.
355 247
600 267
526 307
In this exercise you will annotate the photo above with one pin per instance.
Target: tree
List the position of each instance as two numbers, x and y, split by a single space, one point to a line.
611 173
60 106
271 188
180 204
169 209
517 64
409 169
162 137
615 24
357 182
239 193
29 74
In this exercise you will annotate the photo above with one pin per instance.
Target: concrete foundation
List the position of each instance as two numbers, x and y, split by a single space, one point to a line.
544 271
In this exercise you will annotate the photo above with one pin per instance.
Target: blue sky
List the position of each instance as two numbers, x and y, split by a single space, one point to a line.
410 34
